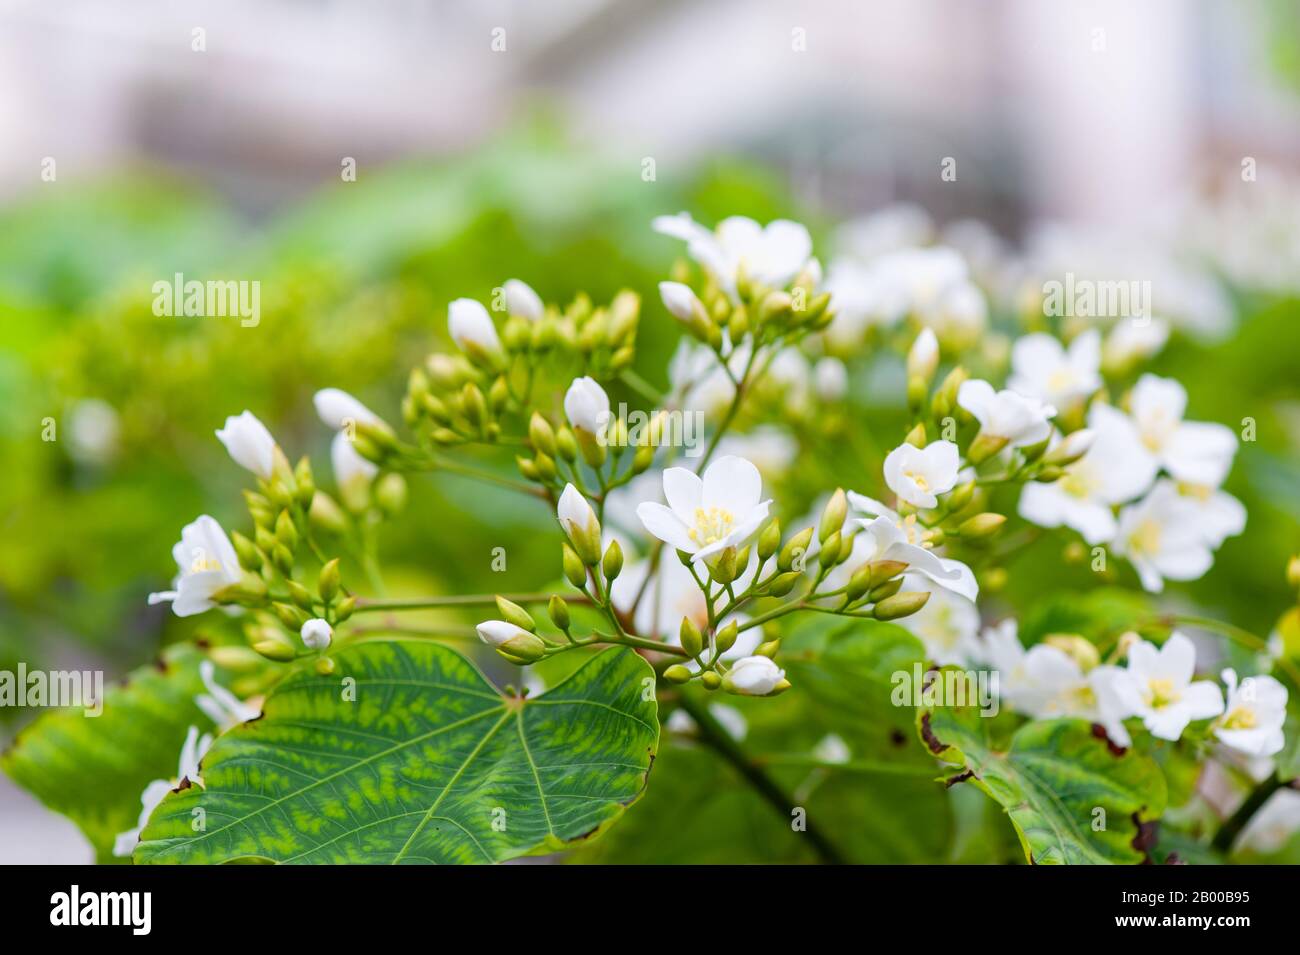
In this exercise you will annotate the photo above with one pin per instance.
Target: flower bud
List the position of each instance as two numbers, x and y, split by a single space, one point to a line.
961 496
1293 571
574 570
472 330
250 444
541 435
326 515
612 563
900 605
522 300
916 437
246 551
343 608
769 540
710 679
299 594
390 493
285 532
523 649
782 584
691 639
324 666
515 614
292 617
833 515
725 638
885 590
580 524
984 447
981 526
794 550
1072 447
677 674
923 357
753 676
559 612
316 634
496 633
829 555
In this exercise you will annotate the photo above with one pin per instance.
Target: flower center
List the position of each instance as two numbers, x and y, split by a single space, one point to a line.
1079 482
1242 718
1083 697
1145 539
202 562
908 525
1161 692
918 479
1063 379
711 525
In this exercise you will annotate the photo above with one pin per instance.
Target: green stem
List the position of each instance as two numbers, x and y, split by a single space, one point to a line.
719 740
1232 828
457 600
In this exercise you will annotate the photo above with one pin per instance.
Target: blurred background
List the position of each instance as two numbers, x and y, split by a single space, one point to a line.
492 139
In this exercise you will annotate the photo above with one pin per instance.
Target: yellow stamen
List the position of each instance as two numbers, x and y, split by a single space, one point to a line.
711 526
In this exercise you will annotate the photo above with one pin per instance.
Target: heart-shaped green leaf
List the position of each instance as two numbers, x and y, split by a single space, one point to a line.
1072 796
407 754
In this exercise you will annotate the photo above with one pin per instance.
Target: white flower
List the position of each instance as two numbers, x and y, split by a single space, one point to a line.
471 327
207 563
1161 538
1158 687
93 431
1051 684
948 623
1001 649
192 751
681 301
754 676
249 443
916 475
1252 720
587 406
1130 341
522 300
1219 515
1197 452
1006 414
316 634
862 298
497 632
219 704
886 535
771 255
349 466
830 379
1043 369
338 409
1114 470
706 516
959 315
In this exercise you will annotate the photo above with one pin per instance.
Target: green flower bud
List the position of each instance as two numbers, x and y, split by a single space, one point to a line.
541 435
291 616
677 674
285 532
887 589
900 605
326 515
574 570
829 555
522 649
768 649
725 638
527 468
511 612
612 564
299 594
984 447
559 612
566 445
961 496
328 581
343 608
916 437
981 526
769 541
710 680
302 477
833 515
782 584
794 550
324 666
692 640
246 551
390 493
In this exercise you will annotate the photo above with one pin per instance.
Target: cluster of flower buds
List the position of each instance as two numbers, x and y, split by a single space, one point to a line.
592 436
756 311
462 398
